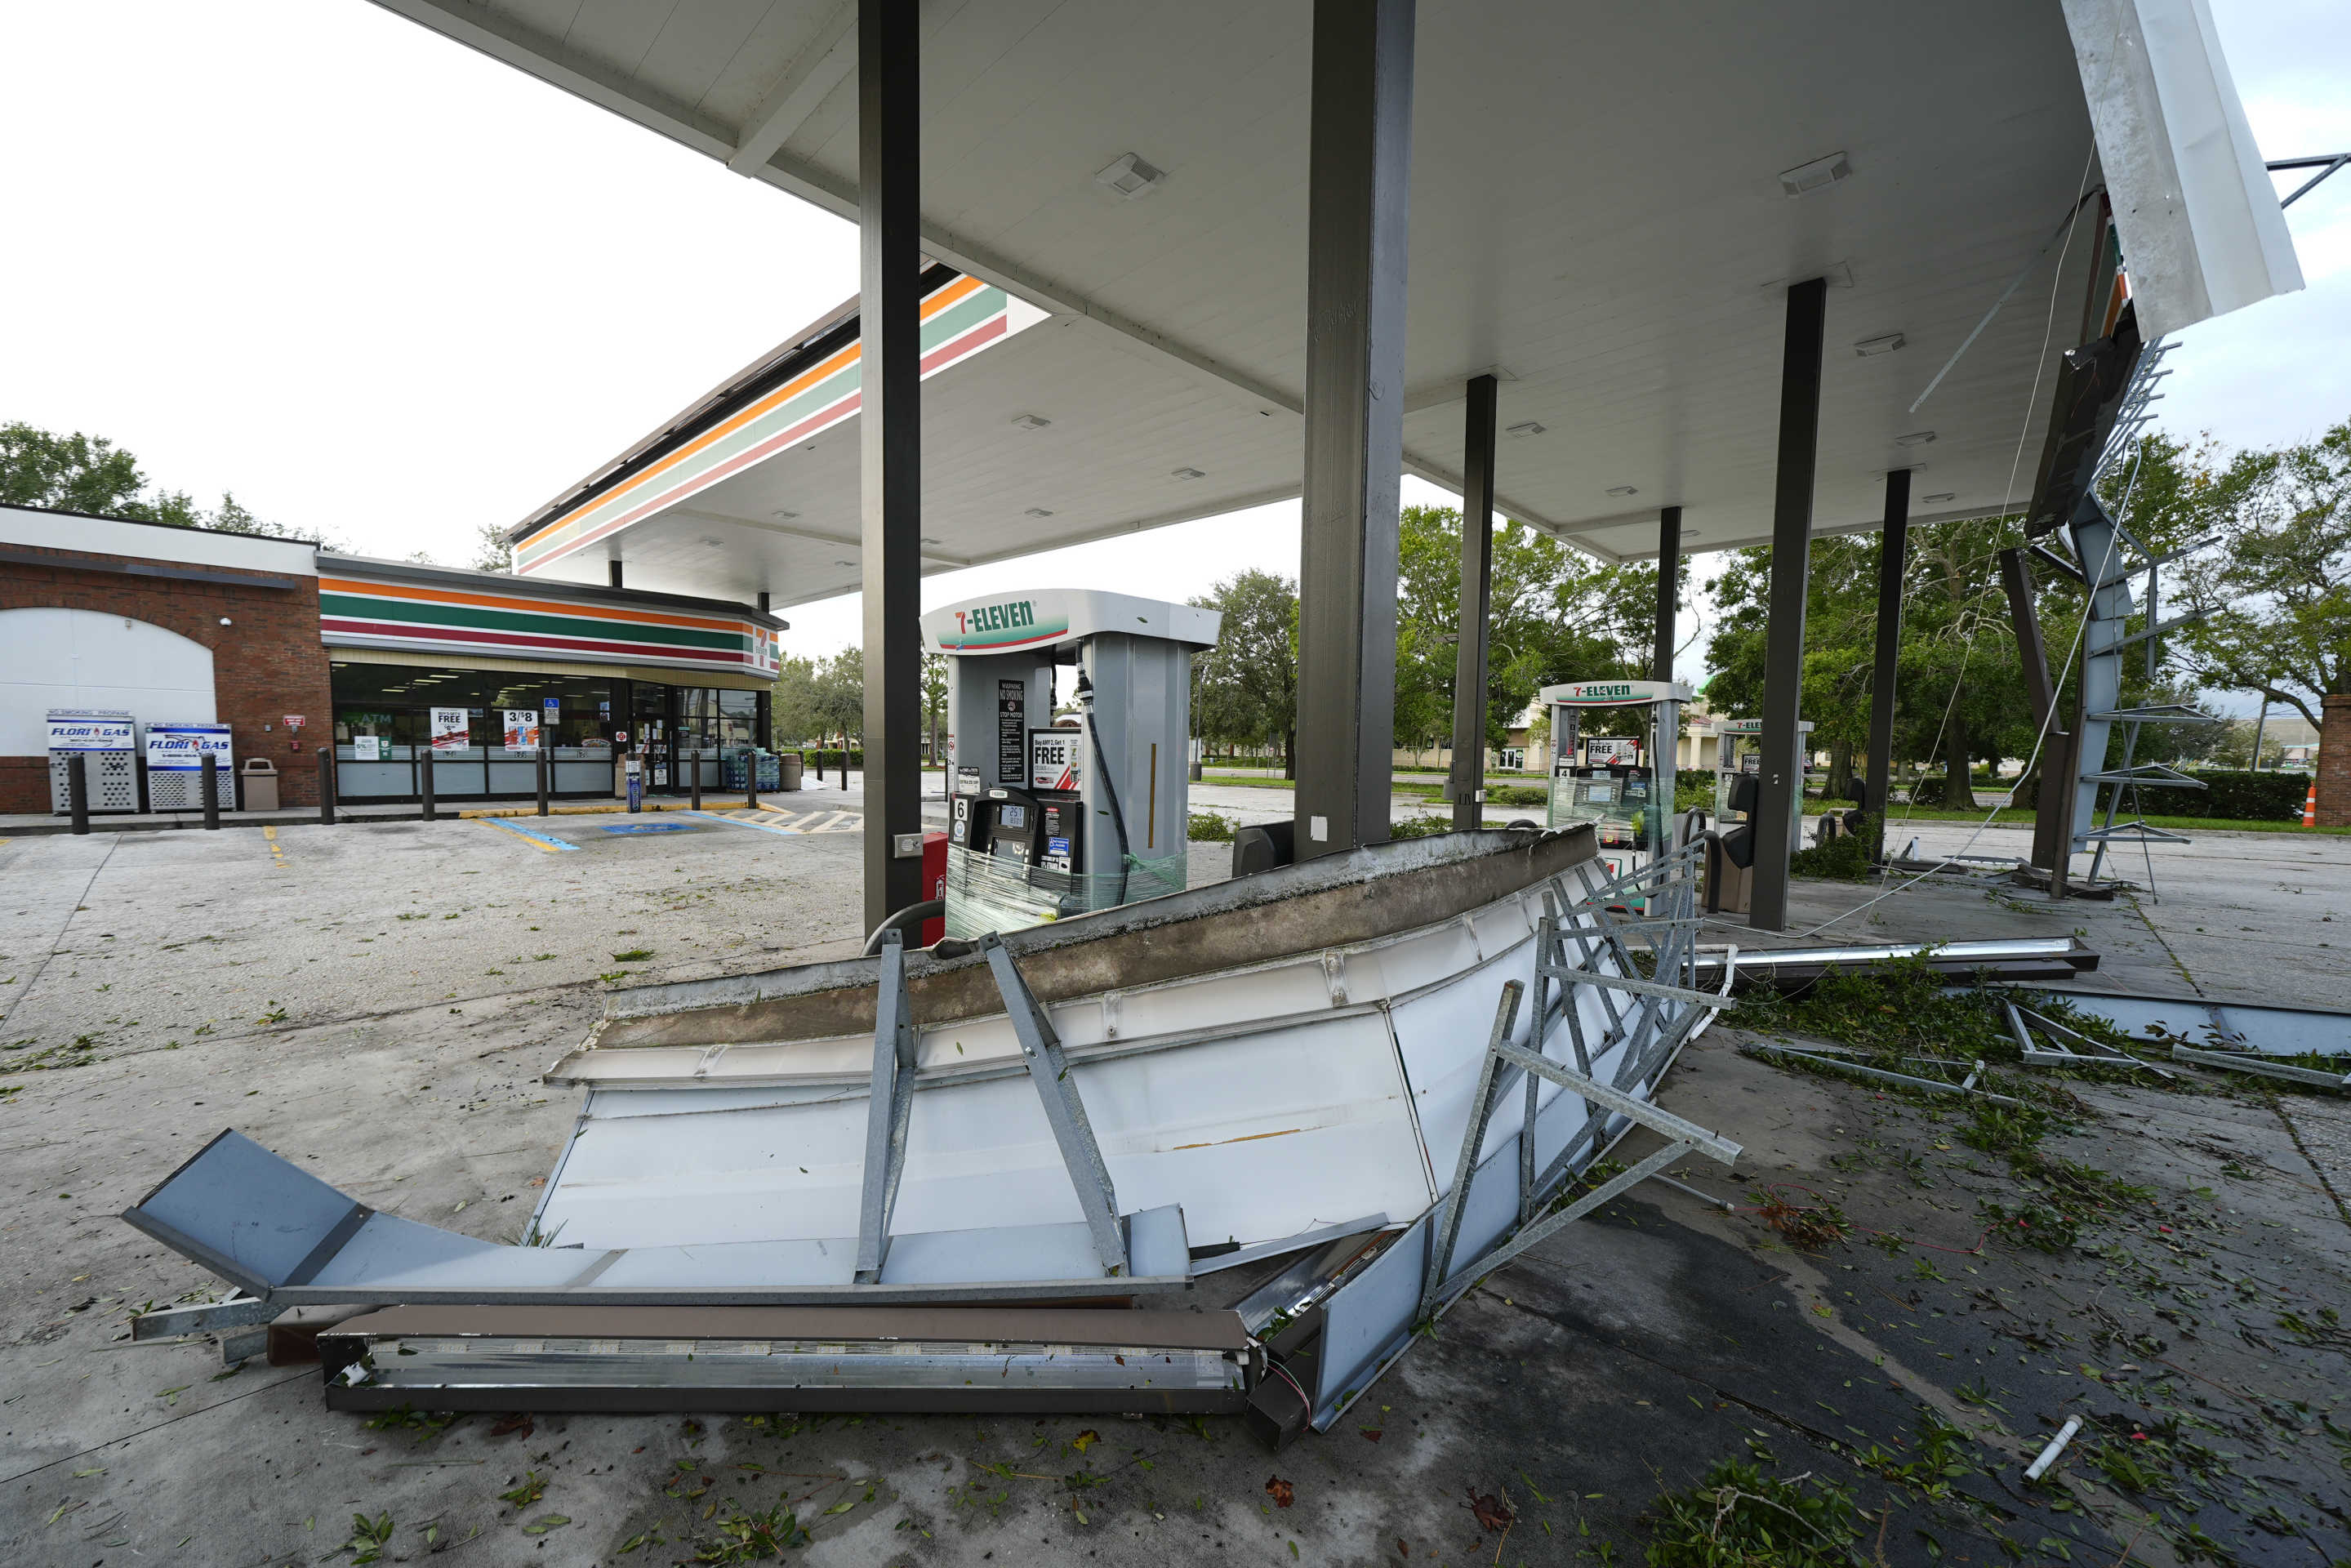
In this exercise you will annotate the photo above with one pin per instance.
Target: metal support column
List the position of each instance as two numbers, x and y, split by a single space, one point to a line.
1783 647
889 174
1892 560
1669 590
1359 160
1469 780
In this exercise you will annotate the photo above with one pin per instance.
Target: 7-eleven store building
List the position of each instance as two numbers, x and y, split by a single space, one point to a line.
410 649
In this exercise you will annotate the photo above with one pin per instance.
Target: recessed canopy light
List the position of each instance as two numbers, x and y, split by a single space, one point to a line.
783 516
1870 347
1131 177
1915 438
1187 474
1807 178
1526 429
1040 512
715 544
1624 490
1030 421
1942 496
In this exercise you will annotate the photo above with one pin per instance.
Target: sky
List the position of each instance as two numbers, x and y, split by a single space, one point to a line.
308 252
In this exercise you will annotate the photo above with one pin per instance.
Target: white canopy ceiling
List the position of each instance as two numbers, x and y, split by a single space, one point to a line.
1597 216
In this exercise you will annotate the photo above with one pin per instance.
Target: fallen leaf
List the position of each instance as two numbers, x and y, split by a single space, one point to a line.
1281 1492
551 1522
1085 1439
1492 1512
1371 1434
519 1424
1402 1549
843 1506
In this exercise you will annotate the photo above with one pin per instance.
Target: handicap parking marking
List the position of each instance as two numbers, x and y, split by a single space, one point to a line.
788 828
547 843
648 827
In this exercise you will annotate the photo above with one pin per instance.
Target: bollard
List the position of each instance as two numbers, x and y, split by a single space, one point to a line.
425 782
697 776
78 792
545 768
327 785
210 784
751 779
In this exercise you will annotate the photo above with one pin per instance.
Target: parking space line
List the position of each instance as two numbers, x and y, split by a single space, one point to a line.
545 843
276 851
781 832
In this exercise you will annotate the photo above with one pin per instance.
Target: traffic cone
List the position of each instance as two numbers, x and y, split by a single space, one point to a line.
2310 805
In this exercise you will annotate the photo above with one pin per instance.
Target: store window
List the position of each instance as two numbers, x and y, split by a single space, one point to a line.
712 721
393 704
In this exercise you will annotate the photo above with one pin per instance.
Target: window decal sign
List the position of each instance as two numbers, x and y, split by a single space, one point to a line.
451 731
521 730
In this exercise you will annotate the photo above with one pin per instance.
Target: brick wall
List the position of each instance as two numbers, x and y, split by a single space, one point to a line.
2334 761
266 663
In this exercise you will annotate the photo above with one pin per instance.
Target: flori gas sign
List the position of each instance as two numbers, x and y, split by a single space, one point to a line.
70 731
181 748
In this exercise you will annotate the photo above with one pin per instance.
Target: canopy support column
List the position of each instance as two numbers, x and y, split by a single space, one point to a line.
1359 160
1669 590
1892 559
1783 647
890 435
1468 781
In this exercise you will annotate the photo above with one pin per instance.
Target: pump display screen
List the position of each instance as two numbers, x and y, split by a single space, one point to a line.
1010 816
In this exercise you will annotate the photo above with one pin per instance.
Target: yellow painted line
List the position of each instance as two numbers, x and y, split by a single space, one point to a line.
276 851
538 844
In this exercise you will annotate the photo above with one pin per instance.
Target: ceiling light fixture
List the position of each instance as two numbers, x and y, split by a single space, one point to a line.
1869 348
1030 421
1524 430
1807 178
1131 177
1040 512
1624 490
1186 473
1941 496
1915 438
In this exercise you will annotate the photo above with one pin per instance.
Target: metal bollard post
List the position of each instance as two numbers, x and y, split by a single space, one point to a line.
210 784
751 779
327 785
697 776
545 768
78 792
424 782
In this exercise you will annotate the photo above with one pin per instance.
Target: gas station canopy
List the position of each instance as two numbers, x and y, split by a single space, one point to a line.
1607 204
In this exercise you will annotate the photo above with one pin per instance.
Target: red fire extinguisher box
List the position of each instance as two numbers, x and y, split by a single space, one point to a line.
934 882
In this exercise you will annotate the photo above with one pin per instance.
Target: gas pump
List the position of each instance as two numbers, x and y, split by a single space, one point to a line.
1050 818
1737 787
1622 784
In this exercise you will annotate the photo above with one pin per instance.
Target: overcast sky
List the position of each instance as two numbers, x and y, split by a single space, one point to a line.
308 252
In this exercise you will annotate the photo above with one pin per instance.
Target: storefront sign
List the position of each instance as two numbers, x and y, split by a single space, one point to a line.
180 748
367 748
295 720
78 734
521 730
451 730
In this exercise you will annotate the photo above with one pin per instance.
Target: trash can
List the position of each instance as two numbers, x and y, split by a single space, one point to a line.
790 765
258 775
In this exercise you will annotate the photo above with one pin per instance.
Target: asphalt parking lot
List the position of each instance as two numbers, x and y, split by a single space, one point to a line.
378 1000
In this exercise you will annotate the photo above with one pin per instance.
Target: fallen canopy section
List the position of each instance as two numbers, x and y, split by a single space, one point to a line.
1293 1048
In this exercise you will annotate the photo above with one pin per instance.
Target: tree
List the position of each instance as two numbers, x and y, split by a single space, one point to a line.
934 702
81 473
792 704
1552 615
2277 588
1249 682
492 551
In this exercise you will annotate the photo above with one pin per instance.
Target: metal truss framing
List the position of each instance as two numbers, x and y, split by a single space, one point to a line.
887 1117
1048 1070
